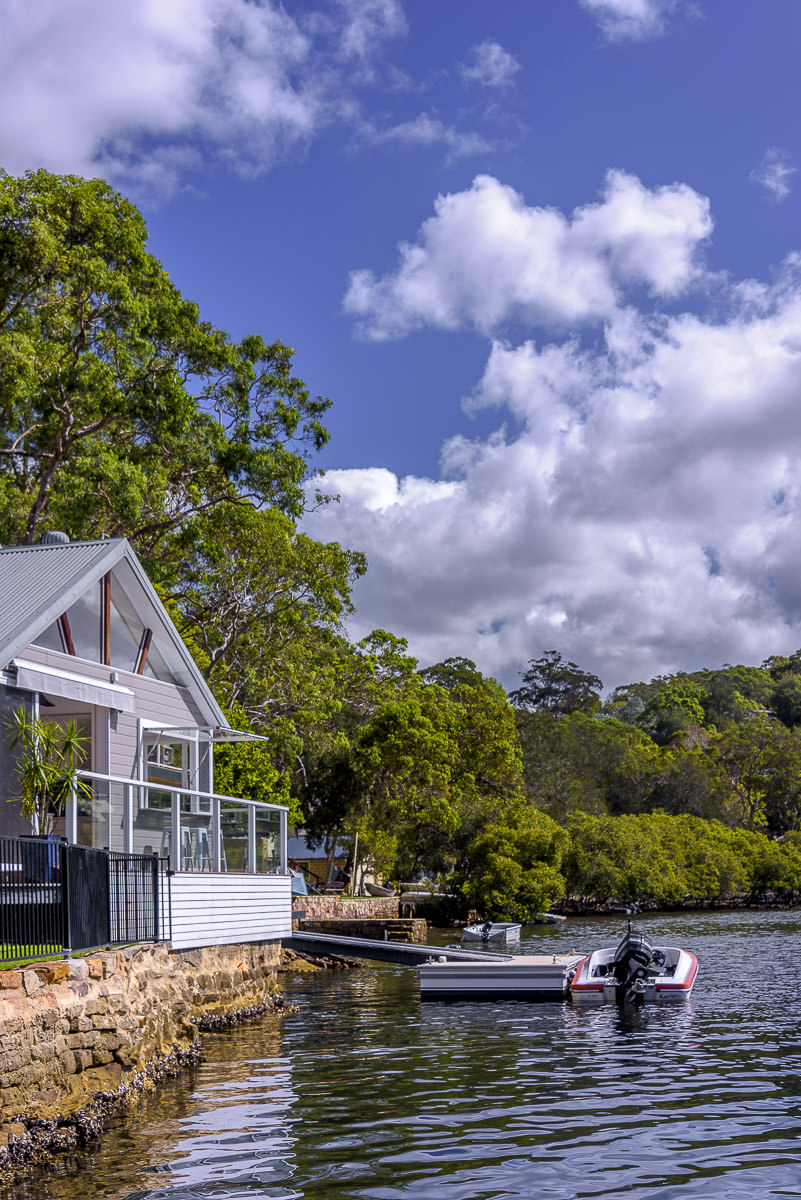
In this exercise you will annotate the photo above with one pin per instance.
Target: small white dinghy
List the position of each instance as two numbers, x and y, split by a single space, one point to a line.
492 931
635 971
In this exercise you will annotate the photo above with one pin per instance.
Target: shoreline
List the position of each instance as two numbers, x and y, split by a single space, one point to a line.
40 1141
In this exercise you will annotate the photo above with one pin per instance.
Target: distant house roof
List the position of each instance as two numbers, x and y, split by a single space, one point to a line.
39 583
298 848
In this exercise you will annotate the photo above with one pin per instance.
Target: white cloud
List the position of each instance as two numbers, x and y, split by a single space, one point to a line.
774 173
426 130
367 24
630 19
638 506
492 67
486 258
131 88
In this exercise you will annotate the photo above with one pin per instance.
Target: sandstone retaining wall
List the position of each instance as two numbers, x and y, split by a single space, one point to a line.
75 1029
329 908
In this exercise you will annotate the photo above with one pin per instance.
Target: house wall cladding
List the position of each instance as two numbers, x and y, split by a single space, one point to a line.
157 700
218 909
75 1029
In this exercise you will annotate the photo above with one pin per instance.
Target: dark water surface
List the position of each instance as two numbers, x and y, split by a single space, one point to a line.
365 1092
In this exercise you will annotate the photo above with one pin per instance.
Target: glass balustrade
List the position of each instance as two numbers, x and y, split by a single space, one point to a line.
196 831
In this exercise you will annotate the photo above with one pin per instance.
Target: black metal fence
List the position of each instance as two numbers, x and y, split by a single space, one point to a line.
56 897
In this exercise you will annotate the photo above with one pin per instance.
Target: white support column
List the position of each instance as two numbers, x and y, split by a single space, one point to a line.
251 839
216 833
128 817
175 838
71 818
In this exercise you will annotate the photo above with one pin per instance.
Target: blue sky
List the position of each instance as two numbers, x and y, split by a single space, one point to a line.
544 256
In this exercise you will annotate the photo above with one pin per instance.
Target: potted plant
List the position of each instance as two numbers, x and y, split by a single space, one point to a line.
51 757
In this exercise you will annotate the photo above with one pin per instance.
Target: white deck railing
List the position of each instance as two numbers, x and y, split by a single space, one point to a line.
199 832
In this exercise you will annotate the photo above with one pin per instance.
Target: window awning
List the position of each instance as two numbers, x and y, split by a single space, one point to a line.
33 677
214 733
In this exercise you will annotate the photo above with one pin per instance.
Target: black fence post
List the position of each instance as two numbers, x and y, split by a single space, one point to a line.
156 915
66 936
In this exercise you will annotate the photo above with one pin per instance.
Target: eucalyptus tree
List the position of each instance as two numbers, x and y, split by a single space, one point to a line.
121 411
550 684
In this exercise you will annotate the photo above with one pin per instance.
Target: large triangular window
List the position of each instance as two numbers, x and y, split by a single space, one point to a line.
129 643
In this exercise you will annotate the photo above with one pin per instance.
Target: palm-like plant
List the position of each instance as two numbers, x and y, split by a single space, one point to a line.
52 755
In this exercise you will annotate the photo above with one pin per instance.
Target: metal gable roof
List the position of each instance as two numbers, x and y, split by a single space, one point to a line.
39 583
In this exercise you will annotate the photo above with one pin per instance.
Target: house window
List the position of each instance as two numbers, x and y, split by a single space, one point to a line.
127 630
85 638
164 763
85 625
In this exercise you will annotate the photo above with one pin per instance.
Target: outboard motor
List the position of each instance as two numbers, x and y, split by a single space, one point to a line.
630 966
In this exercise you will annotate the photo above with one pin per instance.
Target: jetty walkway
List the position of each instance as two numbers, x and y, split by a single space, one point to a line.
407 954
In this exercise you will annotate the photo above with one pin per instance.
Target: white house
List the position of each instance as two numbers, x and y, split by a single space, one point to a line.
84 636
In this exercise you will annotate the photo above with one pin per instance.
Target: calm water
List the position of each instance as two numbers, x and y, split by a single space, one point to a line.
364 1092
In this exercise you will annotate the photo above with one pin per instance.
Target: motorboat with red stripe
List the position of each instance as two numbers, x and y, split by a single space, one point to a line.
635 971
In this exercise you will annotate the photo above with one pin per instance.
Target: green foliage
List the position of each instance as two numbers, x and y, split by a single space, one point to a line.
452 673
512 872
620 858
122 413
761 761
677 706
662 858
51 755
786 700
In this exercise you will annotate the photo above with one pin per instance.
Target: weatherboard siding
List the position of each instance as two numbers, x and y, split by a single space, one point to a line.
156 701
217 910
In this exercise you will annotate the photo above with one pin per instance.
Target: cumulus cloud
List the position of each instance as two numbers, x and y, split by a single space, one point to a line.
774 173
486 258
492 66
634 20
638 505
92 83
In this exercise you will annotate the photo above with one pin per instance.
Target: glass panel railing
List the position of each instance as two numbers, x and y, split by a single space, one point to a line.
268 841
93 813
152 823
234 837
117 808
197 834
195 831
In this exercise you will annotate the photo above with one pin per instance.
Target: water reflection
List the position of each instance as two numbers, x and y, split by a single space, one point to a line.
365 1092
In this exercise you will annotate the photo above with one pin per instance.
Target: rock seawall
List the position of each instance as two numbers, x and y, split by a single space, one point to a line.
328 908
87 1028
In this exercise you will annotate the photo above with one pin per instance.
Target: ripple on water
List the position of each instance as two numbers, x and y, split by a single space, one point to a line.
365 1092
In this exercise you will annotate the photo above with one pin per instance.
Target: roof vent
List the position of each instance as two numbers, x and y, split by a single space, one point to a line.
55 537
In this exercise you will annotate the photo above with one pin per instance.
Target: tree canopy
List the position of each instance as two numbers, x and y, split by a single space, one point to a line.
121 411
